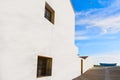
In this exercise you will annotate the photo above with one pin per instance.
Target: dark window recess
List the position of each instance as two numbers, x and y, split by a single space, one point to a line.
49 13
44 66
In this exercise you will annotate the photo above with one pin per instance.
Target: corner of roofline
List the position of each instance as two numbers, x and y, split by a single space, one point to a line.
72 6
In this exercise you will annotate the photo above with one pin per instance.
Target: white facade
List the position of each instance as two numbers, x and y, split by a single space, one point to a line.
87 64
25 34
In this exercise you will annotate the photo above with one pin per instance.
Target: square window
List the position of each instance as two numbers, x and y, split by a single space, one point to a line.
44 66
49 13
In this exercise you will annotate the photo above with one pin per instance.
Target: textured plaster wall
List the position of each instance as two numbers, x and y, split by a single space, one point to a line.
25 34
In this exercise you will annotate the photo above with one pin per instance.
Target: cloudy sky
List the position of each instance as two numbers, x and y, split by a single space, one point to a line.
97 26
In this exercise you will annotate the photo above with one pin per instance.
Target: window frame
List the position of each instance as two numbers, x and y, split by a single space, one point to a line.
51 11
47 69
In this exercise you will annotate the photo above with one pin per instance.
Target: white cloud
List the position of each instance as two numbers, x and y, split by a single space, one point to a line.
107 57
77 33
107 54
108 19
104 2
81 38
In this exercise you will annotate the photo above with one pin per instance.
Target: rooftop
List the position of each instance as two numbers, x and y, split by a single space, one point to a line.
101 73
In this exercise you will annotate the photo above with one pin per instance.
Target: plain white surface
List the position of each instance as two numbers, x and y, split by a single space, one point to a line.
25 34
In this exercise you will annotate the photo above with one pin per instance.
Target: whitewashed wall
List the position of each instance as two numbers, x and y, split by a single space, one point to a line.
87 63
25 34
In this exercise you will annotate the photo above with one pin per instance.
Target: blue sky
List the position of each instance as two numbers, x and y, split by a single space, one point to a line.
97 27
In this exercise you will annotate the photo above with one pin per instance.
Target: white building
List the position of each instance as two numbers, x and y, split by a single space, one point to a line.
86 63
37 40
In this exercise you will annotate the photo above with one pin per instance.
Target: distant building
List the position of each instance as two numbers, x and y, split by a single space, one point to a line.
37 40
86 63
